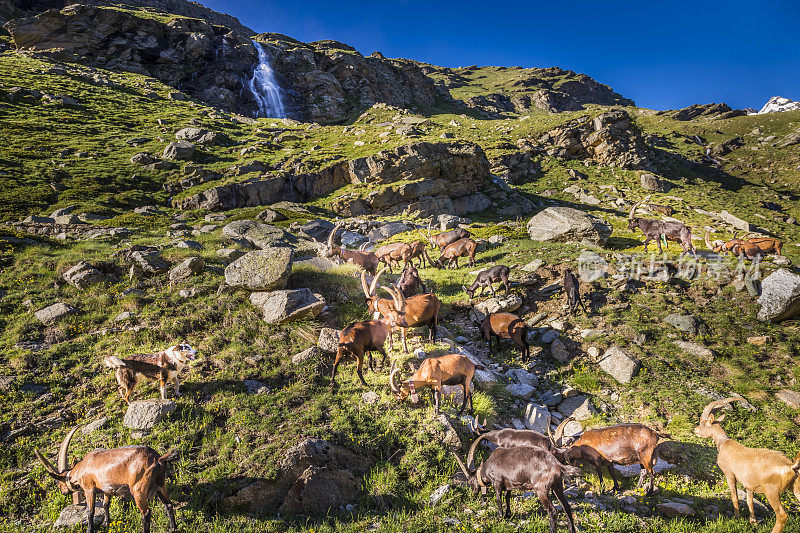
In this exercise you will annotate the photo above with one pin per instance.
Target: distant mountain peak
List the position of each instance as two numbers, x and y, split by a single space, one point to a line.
776 104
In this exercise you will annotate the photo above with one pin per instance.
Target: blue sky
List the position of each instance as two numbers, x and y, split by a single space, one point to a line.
663 55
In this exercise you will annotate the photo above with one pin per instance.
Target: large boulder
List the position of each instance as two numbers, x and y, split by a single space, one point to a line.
537 418
780 296
328 340
149 261
653 183
261 270
198 135
179 150
506 304
317 230
75 515
619 365
579 407
255 234
565 224
53 313
687 323
142 415
187 268
281 307
82 275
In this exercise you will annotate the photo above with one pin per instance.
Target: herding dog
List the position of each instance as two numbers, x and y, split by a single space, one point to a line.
161 366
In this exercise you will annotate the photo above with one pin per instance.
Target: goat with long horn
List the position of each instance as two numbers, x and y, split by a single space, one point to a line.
130 471
658 229
366 260
760 470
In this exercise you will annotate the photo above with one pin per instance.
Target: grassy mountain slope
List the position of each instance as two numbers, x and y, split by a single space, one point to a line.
58 155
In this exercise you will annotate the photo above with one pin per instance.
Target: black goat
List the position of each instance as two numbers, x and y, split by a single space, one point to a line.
534 469
485 278
572 288
656 229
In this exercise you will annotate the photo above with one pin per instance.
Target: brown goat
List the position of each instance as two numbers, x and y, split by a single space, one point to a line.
450 369
511 438
392 254
131 471
358 339
525 468
767 245
658 229
417 311
760 470
663 209
440 240
735 246
410 283
504 326
418 250
621 444
461 248
366 260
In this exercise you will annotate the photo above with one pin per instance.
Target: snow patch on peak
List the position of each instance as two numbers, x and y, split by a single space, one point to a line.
776 104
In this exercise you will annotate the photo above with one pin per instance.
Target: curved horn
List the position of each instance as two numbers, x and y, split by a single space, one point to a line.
392 373
633 209
374 283
363 246
430 225
717 404
364 286
62 452
560 431
479 477
397 297
472 449
708 242
461 465
332 236
47 464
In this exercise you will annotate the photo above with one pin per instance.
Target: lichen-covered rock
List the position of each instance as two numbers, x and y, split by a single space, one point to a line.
187 268
82 275
565 224
261 270
780 296
53 313
255 234
142 415
328 340
284 306
619 365
179 150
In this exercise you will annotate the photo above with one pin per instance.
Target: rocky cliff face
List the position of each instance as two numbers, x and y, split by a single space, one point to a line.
776 104
713 111
427 177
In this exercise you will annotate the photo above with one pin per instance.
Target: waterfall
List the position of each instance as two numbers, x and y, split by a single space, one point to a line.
265 88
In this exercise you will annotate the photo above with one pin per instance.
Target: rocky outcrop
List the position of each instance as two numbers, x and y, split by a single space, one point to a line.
777 104
282 307
713 111
780 296
431 178
610 139
564 224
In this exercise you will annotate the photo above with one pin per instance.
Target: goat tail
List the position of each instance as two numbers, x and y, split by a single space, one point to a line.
169 456
112 361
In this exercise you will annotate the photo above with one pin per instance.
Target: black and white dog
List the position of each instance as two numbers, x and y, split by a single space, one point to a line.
162 366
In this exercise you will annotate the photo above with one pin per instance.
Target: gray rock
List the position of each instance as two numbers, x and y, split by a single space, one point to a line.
654 184
53 313
438 494
447 433
306 355
33 219
63 211
390 229
230 254
91 427
537 418
255 387
198 135
68 219
560 352
191 245
284 306
328 340
142 415
780 296
686 323
351 239
520 390
734 221
370 397
270 215
256 234
564 224
485 379
551 398
549 336
523 376
506 304
82 275
76 515
533 266
579 407
187 268
619 365
143 158
261 270
695 348
317 230
789 397
179 150
149 261
675 509
447 222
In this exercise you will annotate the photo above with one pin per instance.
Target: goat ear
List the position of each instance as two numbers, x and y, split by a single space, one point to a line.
711 419
721 418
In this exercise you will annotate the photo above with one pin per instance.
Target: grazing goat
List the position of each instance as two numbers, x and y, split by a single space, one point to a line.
410 283
418 250
454 250
767 245
450 369
504 326
663 209
392 254
533 469
656 229
510 438
572 290
366 260
735 246
130 471
485 278
417 311
441 240
161 366
760 470
621 444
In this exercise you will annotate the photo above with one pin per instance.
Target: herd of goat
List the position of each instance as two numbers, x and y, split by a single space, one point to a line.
522 459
